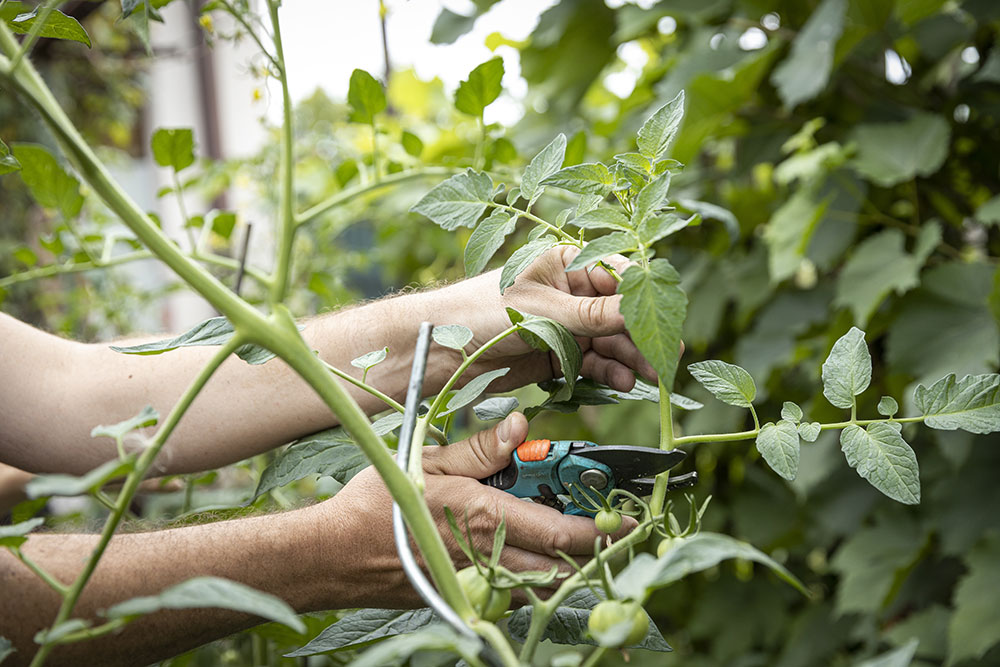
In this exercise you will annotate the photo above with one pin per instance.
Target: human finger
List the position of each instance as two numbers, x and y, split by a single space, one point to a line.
607 371
621 348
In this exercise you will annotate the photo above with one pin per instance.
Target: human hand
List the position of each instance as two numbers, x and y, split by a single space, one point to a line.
585 302
365 554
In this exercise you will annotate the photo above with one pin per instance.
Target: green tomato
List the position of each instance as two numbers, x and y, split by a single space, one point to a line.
488 602
608 521
609 613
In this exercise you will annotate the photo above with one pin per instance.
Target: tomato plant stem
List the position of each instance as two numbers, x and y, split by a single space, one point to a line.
492 634
51 581
666 442
286 195
594 657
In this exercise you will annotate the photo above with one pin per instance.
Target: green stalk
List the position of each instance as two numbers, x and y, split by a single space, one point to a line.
572 240
497 640
286 196
543 611
51 581
416 448
347 195
438 436
749 435
594 657
93 633
666 442
142 466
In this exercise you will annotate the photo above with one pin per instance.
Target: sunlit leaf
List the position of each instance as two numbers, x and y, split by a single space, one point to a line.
481 88
659 130
173 148
20 18
48 182
602 218
366 97
488 236
601 247
543 165
591 178
654 307
727 382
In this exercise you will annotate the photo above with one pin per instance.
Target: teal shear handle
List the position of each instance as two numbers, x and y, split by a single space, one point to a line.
544 469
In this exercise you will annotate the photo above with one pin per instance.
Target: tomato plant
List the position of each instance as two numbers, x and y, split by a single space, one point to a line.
739 223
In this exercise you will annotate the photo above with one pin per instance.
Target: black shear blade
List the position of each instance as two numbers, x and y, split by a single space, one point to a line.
629 462
643 486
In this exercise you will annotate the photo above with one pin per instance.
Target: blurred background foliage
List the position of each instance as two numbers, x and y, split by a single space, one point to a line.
849 150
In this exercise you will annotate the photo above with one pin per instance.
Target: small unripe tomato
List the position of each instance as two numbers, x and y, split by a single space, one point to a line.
487 601
667 544
609 613
608 521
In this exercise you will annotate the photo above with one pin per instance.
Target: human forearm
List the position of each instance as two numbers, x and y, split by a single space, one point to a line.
280 554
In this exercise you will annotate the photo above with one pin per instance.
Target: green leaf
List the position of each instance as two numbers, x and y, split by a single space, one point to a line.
779 445
971 404
602 218
329 453
6 648
366 97
804 72
887 406
809 431
847 371
481 88
569 624
789 231
791 412
543 334
412 144
988 213
26 256
650 200
654 306
662 226
212 592
14 536
69 485
636 161
48 182
8 163
472 390
590 178
459 201
454 336
366 361
214 331
488 236
147 417
893 153
900 657
869 561
879 266
975 625
710 211
363 627
727 382
522 259
694 554
497 407
659 130
20 18
223 223
881 456
601 247
543 165
173 148
398 650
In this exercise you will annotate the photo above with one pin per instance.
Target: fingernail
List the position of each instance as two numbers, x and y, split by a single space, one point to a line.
503 431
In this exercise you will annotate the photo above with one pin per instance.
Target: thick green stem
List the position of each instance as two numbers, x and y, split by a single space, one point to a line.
283 338
497 640
347 195
286 194
666 442
594 657
142 466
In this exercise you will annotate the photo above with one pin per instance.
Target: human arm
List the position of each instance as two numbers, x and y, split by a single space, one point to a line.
336 554
56 391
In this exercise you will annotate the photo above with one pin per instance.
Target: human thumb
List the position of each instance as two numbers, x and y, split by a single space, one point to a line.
481 455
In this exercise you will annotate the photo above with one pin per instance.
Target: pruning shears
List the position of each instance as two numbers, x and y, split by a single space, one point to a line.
547 470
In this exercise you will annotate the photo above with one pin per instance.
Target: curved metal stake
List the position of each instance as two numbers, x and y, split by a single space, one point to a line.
401 535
